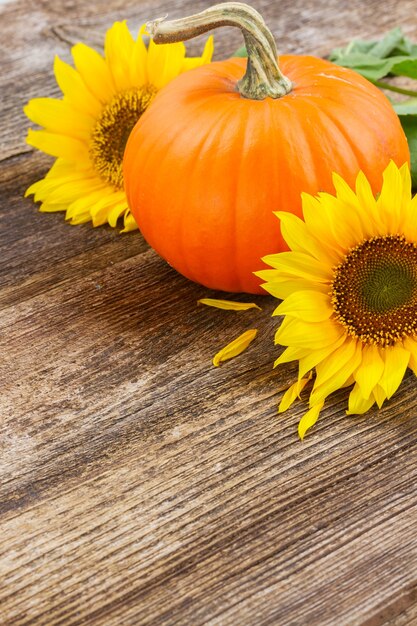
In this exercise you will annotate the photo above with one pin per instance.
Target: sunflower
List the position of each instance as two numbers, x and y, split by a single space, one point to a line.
87 129
349 292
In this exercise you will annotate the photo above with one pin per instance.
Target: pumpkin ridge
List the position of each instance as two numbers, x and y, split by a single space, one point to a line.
360 156
222 123
132 189
307 163
236 252
341 129
182 238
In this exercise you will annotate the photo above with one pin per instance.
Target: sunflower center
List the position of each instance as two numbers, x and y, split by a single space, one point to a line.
110 135
374 290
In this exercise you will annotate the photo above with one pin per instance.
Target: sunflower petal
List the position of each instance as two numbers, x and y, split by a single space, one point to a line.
410 344
191 62
235 347
310 306
292 394
129 223
396 363
309 335
75 90
118 49
283 289
357 403
57 145
299 264
59 117
290 354
138 64
228 305
94 71
299 238
390 199
370 370
315 357
379 395
309 419
333 372
164 62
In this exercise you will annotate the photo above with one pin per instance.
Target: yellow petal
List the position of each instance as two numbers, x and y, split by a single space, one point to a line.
83 204
310 306
309 419
292 394
315 357
71 191
228 305
368 207
344 221
333 372
235 347
94 71
164 62
208 50
301 265
129 223
409 220
410 344
117 211
344 193
390 200
290 354
75 90
300 239
57 145
284 288
99 212
370 370
45 207
317 218
138 72
313 336
119 48
80 218
192 62
396 362
49 186
357 403
406 196
379 395
59 117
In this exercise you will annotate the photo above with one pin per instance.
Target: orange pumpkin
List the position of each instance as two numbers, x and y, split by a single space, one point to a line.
216 154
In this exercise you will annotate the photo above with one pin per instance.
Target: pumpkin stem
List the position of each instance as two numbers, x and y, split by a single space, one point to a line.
263 77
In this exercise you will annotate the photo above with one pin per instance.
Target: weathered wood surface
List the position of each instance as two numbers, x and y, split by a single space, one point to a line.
140 485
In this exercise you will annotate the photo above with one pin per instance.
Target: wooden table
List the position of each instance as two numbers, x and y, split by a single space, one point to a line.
139 484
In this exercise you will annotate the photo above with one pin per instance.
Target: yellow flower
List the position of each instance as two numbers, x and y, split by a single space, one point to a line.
349 291
87 129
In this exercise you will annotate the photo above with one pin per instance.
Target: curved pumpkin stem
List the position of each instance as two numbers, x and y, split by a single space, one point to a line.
263 77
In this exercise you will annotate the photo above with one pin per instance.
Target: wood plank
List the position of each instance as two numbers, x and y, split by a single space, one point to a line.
140 485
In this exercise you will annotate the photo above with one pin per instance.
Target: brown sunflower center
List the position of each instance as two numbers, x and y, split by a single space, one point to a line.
112 131
374 290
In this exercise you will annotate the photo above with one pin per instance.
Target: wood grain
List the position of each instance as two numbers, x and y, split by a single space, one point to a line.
140 485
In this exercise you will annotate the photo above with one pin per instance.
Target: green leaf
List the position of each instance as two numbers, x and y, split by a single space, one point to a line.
241 52
393 54
370 66
385 46
409 124
393 44
407 67
407 107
